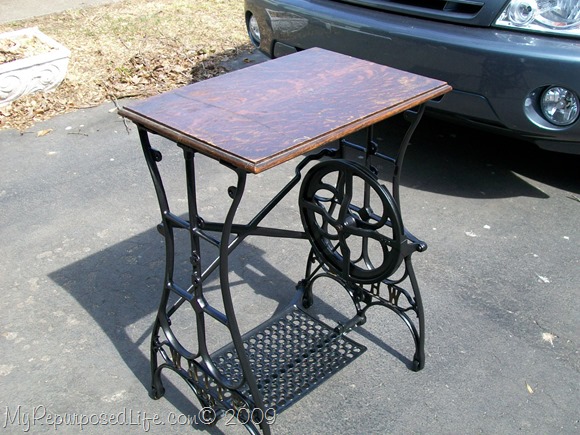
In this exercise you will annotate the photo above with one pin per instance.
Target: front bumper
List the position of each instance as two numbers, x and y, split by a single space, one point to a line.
496 74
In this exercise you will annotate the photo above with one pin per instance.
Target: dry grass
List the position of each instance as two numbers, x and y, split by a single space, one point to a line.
21 47
131 49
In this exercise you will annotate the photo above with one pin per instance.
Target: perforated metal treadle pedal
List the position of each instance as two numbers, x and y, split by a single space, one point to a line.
290 355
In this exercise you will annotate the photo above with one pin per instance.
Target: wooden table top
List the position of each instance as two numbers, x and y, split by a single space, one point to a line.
264 115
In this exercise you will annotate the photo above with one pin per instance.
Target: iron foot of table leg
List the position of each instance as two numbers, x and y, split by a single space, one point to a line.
307 297
157 388
417 364
156 394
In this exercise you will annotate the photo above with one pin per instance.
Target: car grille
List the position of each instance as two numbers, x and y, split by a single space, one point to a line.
454 10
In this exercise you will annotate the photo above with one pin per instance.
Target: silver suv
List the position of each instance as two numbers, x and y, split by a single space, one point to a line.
514 64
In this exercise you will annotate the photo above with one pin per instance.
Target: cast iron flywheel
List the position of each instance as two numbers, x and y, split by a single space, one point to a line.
352 221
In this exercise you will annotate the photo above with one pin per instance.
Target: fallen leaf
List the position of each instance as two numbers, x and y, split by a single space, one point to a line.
43 132
549 337
530 389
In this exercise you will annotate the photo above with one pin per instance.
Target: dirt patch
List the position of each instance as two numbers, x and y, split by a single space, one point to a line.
135 48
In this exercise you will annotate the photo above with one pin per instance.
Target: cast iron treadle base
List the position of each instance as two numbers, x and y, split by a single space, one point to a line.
290 355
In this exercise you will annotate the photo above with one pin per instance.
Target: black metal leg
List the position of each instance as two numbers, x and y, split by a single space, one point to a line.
236 194
216 391
335 217
419 357
157 389
402 151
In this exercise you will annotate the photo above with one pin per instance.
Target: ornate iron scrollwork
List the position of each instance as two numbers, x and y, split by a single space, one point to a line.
358 240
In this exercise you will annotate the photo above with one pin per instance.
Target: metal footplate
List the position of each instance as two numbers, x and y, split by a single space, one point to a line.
290 355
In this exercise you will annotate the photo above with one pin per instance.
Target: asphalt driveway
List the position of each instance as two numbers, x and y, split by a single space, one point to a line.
82 267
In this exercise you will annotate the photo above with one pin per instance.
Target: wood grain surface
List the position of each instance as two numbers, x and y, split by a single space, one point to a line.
269 113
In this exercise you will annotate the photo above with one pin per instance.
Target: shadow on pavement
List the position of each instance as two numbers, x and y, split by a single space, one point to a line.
120 287
452 160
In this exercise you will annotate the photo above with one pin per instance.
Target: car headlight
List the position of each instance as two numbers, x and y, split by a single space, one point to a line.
560 17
